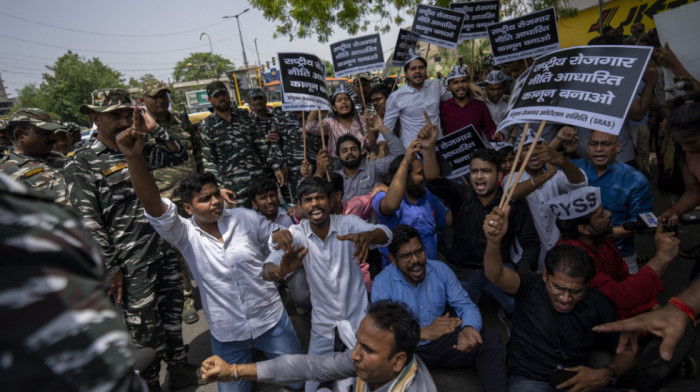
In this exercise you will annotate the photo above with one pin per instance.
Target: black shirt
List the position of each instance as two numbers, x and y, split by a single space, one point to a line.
468 214
543 338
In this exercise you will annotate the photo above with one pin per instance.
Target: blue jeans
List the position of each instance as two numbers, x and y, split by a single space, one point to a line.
523 384
280 339
478 284
318 345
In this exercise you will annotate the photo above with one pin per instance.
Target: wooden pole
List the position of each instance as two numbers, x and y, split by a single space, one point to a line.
303 130
515 164
362 94
527 158
471 65
323 142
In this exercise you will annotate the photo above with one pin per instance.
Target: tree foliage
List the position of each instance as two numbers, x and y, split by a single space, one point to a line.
305 18
198 66
68 84
330 70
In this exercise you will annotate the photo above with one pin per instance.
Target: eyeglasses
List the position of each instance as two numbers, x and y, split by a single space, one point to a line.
563 290
406 257
601 144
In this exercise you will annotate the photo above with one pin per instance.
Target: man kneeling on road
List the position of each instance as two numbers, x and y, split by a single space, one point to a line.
427 287
222 248
383 358
555 312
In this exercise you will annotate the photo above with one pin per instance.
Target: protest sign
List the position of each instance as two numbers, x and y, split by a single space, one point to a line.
437 25
527 36
355 55
407 40
457 147
586 86
477 15
303 82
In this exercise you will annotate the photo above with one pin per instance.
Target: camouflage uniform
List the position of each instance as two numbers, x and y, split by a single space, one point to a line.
38 173
169 178
291 141
99 187
236 153
60 330
41 174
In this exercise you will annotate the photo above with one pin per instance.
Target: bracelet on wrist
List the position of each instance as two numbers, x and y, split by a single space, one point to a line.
683 307
676 210
236 375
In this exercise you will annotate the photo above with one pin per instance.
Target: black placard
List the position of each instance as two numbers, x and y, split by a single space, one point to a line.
437 25
457 147
355 55
478 15
303 82
407 40
527 36
587 86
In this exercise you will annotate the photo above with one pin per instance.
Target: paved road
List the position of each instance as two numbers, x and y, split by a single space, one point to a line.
675 280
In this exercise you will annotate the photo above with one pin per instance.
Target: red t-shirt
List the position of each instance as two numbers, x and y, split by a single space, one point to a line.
454 117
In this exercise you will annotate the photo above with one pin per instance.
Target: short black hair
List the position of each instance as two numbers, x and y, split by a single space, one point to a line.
393 168
685 115
402 234
313 185
22 126
396 318
571 260
345 138
337 182
504 152
381 89
425 63
487 155
568 229
261 187
193 184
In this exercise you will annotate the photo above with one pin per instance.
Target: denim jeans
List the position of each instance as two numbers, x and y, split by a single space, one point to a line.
280 339
523 384
478 284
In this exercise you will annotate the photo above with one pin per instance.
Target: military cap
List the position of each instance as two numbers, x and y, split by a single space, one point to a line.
152 87
256 92
107 100
36 117
215 87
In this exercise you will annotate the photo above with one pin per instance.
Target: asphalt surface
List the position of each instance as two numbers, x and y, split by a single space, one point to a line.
676 279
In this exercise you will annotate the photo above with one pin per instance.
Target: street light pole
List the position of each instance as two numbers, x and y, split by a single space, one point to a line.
245 59
213 60
256 52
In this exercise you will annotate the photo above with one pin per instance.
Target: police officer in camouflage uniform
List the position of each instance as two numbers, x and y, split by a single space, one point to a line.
233 150
155 98
31 161
59 330
144 272
5 141
283 128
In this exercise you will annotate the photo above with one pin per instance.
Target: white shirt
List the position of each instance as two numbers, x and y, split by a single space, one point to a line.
497 110
282 220
238 303
545 221
335 280
407 105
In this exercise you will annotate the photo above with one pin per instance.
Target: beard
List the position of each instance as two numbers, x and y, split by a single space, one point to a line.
416 190
351 164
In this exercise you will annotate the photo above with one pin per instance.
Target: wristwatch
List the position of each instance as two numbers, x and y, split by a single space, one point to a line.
613 374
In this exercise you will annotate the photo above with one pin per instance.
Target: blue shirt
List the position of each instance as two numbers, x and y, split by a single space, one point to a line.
427 301
425 216
625 192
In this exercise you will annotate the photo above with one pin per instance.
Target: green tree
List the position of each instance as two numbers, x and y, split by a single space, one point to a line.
133 82
198 66
301 19
29 97
330 70
68 84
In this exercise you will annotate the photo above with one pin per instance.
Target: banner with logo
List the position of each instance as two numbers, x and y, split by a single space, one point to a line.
437 25
303 82
527 36
457 147
355 55
477 15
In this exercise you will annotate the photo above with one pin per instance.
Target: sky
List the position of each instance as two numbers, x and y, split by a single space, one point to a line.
139 37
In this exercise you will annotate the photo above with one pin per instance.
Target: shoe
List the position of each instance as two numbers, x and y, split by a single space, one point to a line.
182 375
189 313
